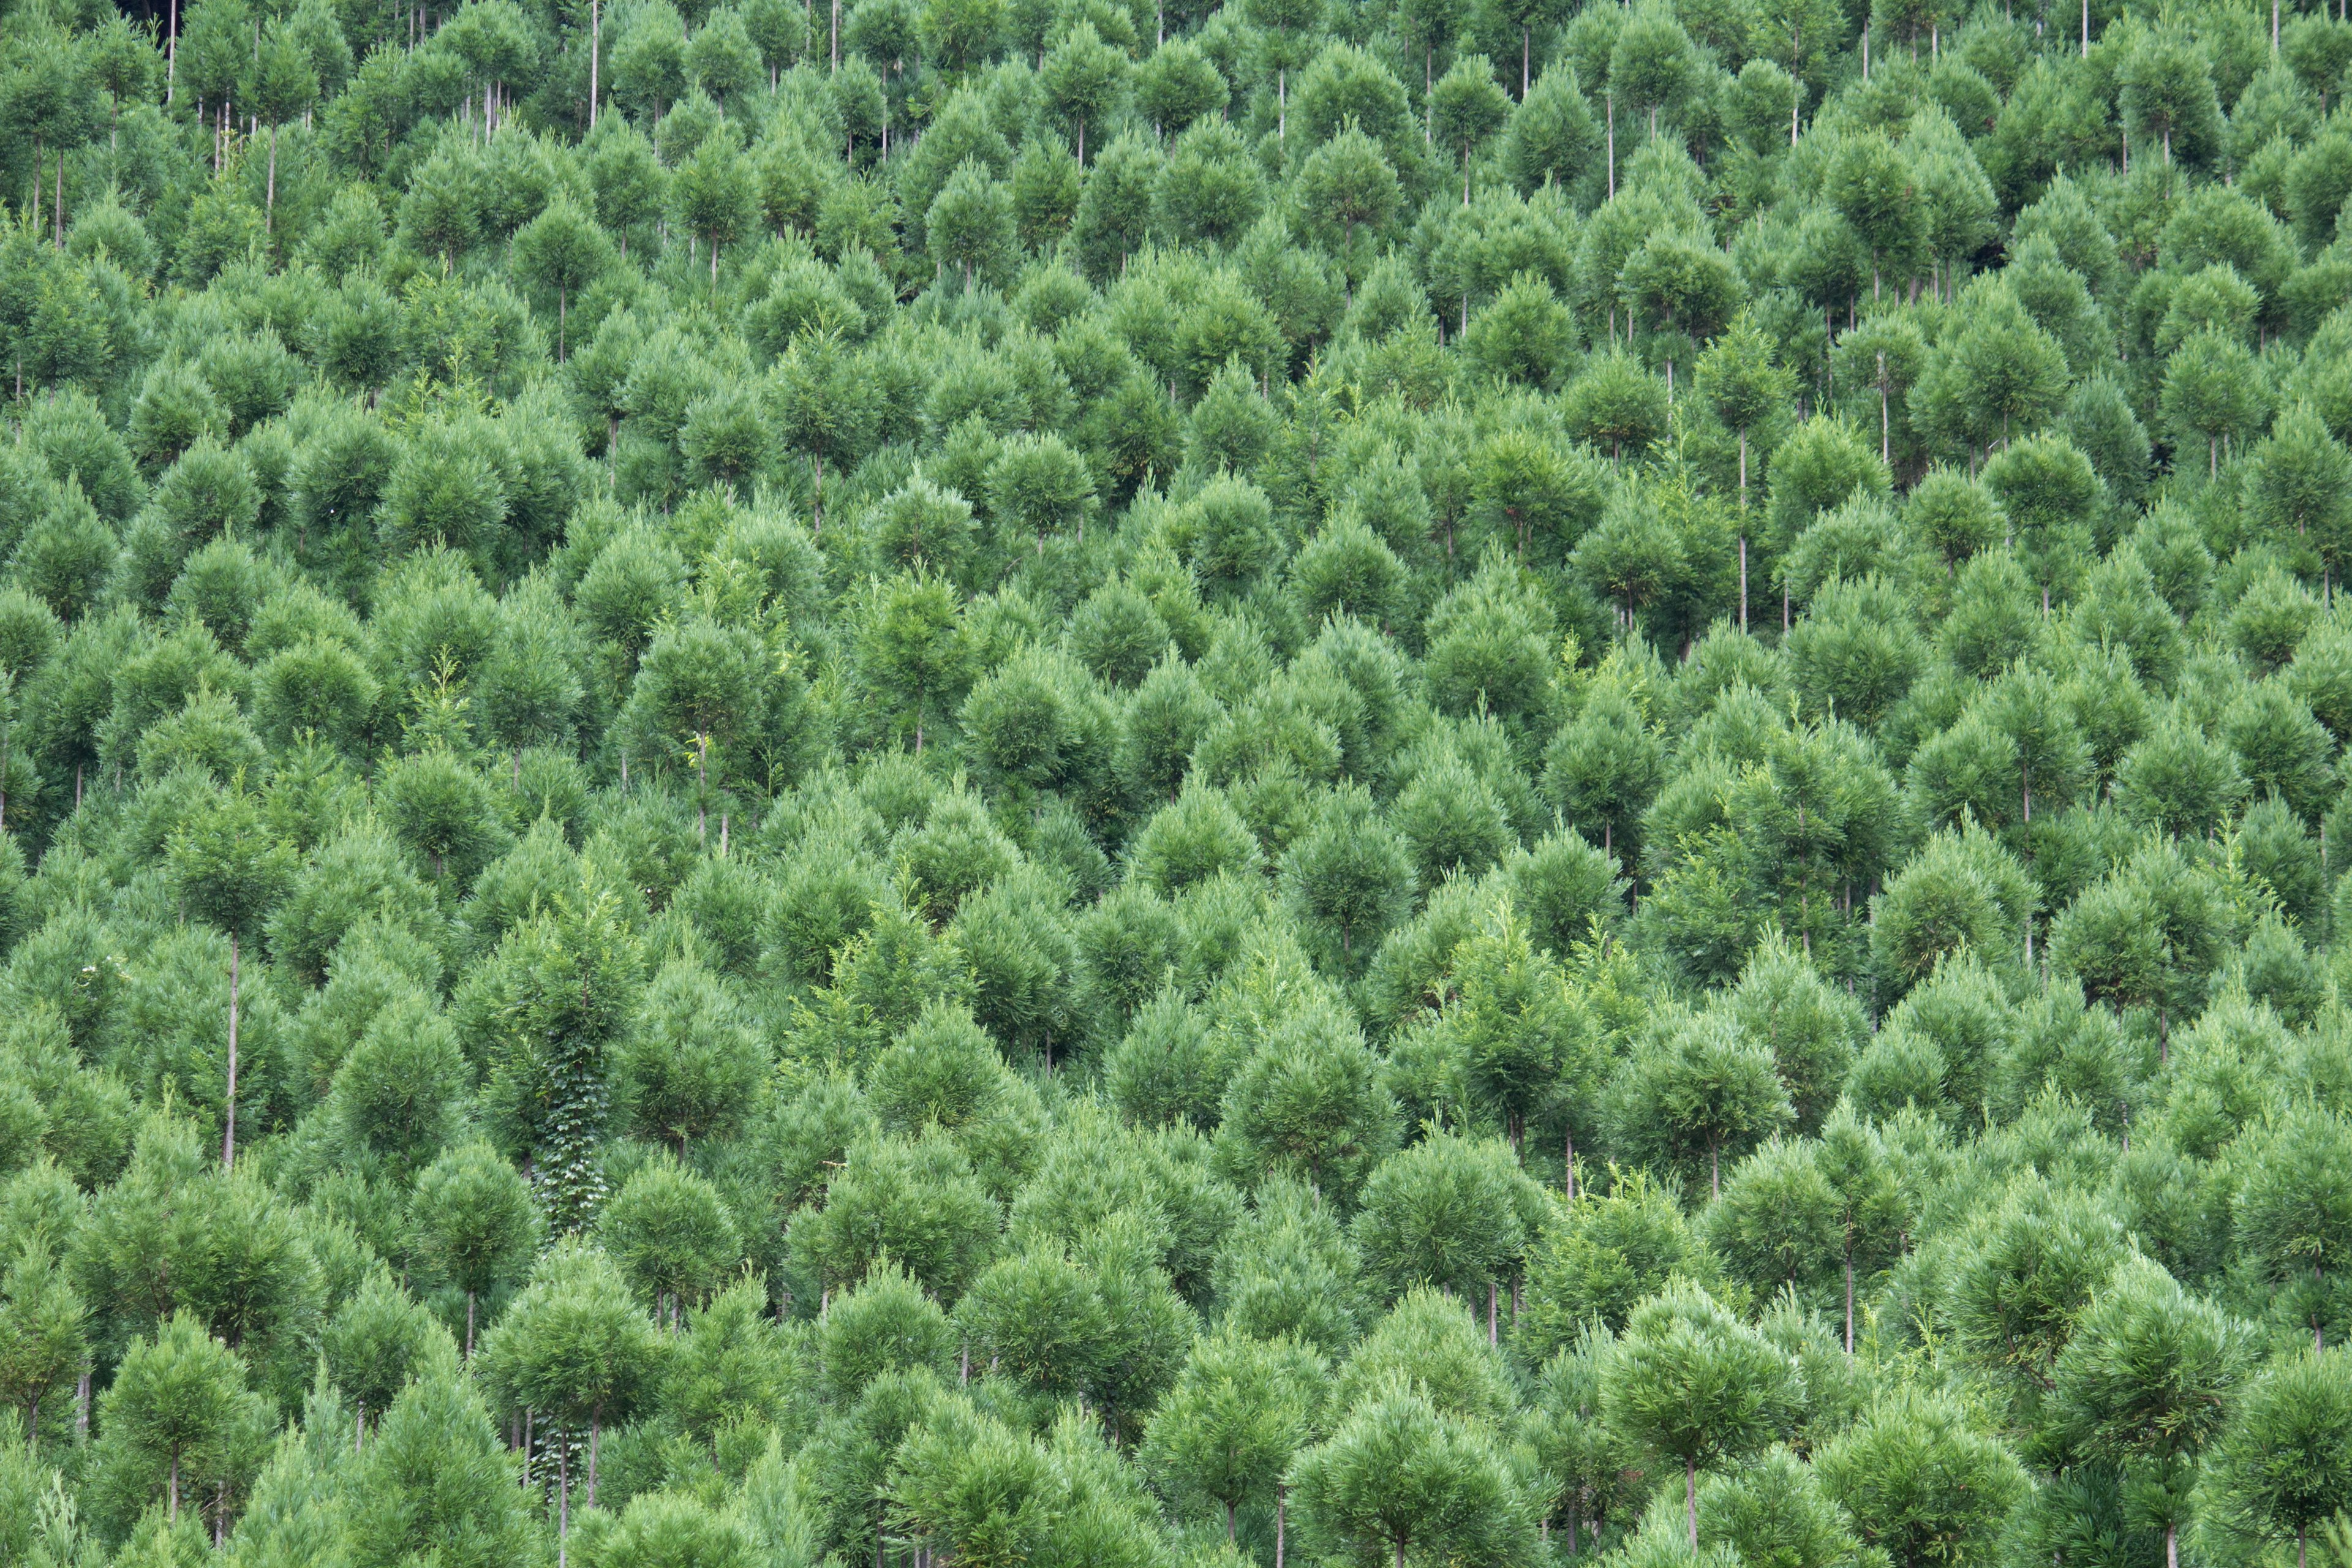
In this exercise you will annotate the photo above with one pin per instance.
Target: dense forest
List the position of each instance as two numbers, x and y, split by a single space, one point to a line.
1119 786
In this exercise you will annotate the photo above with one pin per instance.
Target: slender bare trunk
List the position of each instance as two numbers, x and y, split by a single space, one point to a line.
228 1134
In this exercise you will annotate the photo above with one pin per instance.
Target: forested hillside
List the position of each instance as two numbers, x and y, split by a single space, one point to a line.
997 781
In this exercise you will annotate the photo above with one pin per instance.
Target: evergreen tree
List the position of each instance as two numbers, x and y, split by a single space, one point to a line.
1693 1384
230 868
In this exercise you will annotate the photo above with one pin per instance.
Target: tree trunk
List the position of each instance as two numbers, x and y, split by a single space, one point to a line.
595 48
563 1503
1849 1298
270 200
228 1134
1690 1499
469 1326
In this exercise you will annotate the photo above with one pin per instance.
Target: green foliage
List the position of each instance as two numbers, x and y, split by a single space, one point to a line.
1076 762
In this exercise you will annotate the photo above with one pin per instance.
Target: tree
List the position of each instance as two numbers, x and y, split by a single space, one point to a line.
1286 30
702 681
1348 184
1743 384
913 647
916 1205
691 1068
1396 1475
1081 80
821 404
2034 1265
1349 873
1527 1049
2213 393
433 1481
2285 1460
42 1339
1693 1384
284 84
563 250
2168 95
1178 84
231 870
2147 1380
1871 187
476 1222
1919 1483
1698 1086
970 225
714 193
670 1231
1444 1213
178 1419
1872 1212
1682 289
1652 65
1528 15
1234 1416
1465 108
1309 1103
1776 1224
2292 1212
575 1349
557 993
2294 486
1995 374
2148 935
